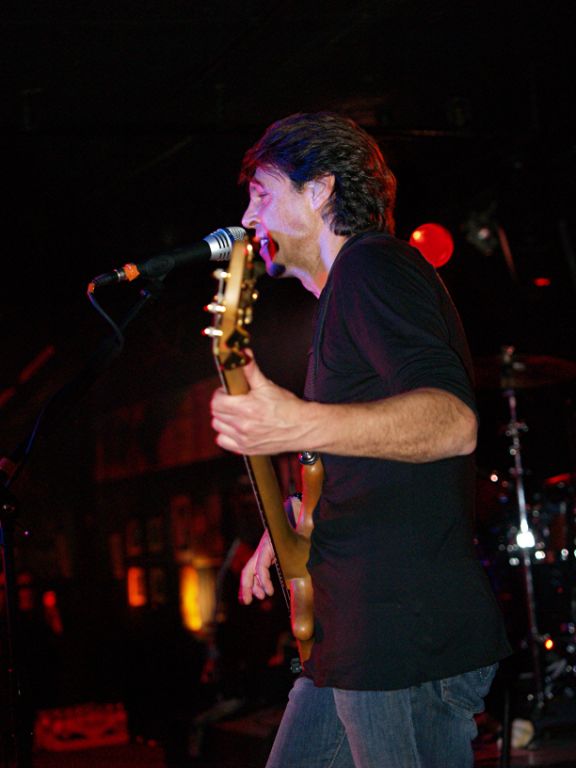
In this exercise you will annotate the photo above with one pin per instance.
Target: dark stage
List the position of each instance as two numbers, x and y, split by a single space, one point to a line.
122 127
243 744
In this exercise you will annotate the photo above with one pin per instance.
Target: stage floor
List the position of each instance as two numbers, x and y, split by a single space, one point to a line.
238 748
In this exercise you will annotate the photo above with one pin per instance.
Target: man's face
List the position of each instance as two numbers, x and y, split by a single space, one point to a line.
285 222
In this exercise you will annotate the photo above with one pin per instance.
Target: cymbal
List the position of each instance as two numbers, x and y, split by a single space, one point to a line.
523 372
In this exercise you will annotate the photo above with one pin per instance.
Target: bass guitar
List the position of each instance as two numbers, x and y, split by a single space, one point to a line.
232 313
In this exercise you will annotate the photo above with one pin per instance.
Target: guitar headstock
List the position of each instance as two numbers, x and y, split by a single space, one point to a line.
232 307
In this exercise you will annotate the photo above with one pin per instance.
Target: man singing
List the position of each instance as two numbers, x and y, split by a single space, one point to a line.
407 631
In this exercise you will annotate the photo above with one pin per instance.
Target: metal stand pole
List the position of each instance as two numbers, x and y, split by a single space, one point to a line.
525 541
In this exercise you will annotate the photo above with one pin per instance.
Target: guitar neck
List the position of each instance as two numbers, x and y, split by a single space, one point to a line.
232 310
291 548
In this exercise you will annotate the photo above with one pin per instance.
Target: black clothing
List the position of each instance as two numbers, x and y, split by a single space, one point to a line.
399 595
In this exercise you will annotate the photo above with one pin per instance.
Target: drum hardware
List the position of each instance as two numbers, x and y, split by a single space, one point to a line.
549 528
511 372
542 533
561 492
525 541
536 535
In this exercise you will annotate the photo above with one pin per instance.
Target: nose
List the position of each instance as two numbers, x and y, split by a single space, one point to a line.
250 217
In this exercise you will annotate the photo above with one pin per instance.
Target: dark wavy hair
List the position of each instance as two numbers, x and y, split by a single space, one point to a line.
306 146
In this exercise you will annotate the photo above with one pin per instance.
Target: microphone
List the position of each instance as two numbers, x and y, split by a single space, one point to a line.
216 246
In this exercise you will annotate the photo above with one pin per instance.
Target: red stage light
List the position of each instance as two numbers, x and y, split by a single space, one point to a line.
434 242
542 282
49 599
51 612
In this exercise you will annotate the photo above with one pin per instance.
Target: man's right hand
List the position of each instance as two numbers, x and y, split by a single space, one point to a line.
255 578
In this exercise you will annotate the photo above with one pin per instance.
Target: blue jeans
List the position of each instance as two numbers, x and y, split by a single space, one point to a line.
426 726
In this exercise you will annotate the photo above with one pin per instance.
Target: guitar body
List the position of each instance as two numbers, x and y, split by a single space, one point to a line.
232 310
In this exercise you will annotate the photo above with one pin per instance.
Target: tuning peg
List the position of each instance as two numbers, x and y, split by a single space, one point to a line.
212 332
221 274
214 308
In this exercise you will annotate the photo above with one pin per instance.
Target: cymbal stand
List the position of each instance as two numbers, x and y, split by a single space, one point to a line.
525 541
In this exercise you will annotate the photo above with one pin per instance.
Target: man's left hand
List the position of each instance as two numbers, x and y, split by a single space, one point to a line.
265 421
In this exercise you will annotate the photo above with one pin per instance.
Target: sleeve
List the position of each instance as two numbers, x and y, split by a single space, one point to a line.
401 319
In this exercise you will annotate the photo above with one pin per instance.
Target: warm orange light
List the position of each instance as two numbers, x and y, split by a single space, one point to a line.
434 242
136 586
198 594
549 644
190 598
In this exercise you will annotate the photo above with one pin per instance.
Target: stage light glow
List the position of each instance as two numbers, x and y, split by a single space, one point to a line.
434 242
136 586
190 598
49 599
542 282
525 539
198 594
51 612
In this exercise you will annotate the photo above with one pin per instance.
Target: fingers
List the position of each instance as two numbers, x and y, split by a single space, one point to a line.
225 421
253 584
254 375
227 442
247 579
265 420
222 402
255 580
262 586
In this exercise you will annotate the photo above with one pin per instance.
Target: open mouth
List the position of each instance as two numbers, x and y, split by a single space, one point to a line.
269 247
268 251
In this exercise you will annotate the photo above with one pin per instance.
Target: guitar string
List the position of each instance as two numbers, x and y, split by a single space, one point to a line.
284 589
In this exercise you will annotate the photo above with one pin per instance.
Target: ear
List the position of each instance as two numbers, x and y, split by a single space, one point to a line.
320 190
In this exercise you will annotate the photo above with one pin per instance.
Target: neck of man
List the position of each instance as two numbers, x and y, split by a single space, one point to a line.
329 247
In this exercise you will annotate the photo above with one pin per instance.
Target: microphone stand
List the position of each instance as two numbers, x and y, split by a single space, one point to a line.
16 736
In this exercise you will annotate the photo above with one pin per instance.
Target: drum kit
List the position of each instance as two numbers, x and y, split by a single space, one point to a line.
527 536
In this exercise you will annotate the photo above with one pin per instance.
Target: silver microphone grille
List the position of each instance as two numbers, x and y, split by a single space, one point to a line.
222 241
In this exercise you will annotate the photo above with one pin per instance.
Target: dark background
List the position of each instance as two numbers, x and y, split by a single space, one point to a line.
123 126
